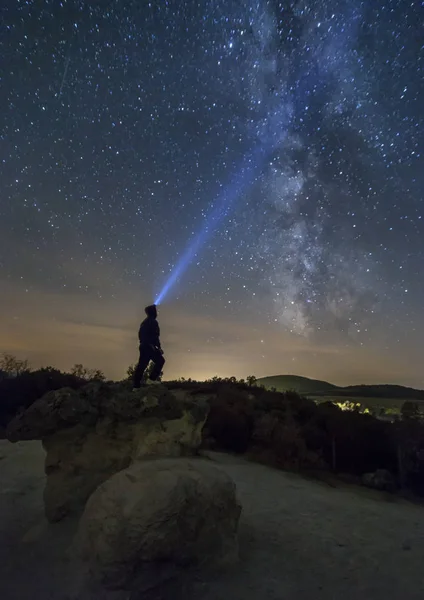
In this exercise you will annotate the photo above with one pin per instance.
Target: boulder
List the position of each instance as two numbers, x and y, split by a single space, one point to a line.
154 518
92 433
381 479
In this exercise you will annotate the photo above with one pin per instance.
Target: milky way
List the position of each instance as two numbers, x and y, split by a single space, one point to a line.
124 124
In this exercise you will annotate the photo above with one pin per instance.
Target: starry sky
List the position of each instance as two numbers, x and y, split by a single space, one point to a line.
260 163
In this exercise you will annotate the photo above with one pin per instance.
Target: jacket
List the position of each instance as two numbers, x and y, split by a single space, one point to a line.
149 333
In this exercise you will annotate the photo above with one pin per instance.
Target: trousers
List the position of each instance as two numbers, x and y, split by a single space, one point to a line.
147 354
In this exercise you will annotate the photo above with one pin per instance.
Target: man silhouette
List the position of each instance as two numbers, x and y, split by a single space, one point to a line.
150 348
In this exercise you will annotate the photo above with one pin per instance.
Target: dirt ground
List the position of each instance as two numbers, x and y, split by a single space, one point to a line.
299 539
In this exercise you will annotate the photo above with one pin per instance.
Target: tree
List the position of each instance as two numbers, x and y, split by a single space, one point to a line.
251 380
78 370
131 371
13 366
97 375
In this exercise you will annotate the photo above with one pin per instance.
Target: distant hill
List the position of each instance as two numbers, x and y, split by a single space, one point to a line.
302 385
384 390
315 387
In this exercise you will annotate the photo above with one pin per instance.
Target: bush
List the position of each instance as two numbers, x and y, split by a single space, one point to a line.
410 410
230 420
81 372
287 430
19 392
11 366
20 386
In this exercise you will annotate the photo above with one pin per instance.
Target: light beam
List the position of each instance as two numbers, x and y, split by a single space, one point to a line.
249 168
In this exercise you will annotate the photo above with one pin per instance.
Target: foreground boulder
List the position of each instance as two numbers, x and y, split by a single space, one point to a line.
379 480
150 520
92 433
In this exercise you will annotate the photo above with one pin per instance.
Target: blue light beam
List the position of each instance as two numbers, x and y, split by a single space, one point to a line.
250 166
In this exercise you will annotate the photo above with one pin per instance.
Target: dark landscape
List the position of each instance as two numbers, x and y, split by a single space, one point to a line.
286 421
307 474
380 399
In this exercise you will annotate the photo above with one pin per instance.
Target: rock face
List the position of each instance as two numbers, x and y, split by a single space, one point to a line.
93 433
155 517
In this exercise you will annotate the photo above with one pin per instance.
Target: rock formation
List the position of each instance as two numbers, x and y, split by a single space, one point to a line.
381 480
151 519
92 433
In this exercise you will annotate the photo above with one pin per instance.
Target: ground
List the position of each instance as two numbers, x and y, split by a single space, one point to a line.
299 539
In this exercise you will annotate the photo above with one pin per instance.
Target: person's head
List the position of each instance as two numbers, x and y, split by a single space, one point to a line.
151 311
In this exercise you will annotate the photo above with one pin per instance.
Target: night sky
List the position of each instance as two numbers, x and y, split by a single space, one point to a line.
270 152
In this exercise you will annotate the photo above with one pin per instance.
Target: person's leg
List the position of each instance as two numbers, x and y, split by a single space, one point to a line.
143 361
159 361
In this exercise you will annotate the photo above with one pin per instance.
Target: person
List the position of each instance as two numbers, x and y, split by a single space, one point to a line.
150 348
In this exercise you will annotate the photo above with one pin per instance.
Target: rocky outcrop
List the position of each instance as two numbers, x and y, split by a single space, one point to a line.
381 480
148 521
92 433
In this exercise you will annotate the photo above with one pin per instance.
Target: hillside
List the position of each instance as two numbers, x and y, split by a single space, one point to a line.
385 390
302 385
315 387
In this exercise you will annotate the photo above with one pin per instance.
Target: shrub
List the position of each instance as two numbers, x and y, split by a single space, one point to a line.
410 410
81 372
293 432
12 366
21 391
230 420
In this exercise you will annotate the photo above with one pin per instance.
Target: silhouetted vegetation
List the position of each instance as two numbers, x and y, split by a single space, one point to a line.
20 386
81 372
11 366
410 410
293 432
